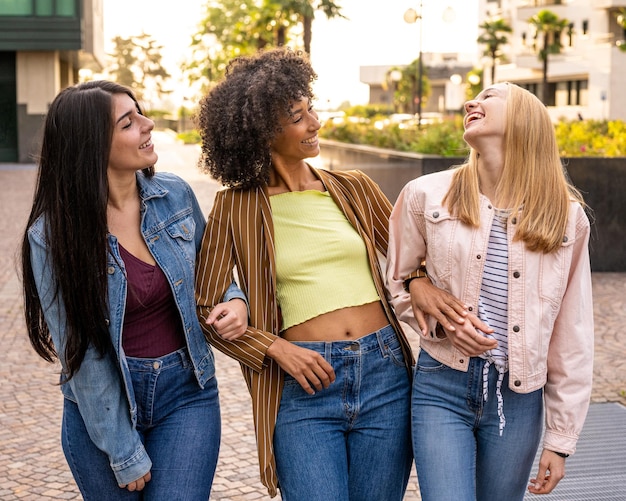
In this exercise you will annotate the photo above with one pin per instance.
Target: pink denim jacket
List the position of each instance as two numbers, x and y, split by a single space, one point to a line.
550 312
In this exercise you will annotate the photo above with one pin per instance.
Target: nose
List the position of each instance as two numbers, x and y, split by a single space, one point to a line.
315 121
148 123
469 105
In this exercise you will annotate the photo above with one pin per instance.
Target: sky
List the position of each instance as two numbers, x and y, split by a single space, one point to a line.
374 33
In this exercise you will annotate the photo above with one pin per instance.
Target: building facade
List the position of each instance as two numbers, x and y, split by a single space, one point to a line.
43 44
586 80
446 73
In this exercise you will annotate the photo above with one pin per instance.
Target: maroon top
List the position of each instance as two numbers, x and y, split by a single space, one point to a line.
152 325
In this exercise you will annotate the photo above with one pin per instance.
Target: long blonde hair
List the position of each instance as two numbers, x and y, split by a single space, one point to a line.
533 176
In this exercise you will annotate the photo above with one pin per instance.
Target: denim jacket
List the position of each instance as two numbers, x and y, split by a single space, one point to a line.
172 225
550 307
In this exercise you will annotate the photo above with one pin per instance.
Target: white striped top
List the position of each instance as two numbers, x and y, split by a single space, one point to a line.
493 304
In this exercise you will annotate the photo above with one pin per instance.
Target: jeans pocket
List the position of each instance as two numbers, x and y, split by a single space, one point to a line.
395 354
426 363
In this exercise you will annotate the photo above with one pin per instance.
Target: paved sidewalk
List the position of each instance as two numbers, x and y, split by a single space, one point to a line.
32 466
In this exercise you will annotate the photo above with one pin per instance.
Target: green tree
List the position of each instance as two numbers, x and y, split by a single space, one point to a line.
304 12
231 28
549 27
407 88
474 79
494 37
136 63
620 16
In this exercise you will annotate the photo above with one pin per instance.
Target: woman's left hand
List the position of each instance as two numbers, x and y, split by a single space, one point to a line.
551 471
230 319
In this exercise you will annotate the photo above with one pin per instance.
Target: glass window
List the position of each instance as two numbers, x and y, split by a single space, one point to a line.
562 94
66 8
583 92
16 8
43 8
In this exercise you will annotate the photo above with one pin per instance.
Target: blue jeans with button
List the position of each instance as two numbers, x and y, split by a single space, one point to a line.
352 440
180 426
459 452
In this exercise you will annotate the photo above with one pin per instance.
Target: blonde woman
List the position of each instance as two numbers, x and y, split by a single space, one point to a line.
507 235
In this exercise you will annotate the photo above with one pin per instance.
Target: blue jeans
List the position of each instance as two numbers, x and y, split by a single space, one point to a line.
352 440
459 452
180 427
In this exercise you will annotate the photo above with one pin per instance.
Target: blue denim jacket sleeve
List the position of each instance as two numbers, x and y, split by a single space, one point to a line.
97 387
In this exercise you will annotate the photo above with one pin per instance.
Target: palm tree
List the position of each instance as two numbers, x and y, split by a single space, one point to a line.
620 15
494 37
550 26
305 12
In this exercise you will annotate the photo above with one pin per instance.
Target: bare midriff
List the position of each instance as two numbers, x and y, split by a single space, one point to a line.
340 325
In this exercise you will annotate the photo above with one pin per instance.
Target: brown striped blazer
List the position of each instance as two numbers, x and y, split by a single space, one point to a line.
240 236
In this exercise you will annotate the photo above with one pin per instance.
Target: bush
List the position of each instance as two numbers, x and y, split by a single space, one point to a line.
575 138
445 138
591 138
189 137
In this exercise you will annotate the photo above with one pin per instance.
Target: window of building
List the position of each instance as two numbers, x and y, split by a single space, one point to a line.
585 26
531 87
39 8
571 93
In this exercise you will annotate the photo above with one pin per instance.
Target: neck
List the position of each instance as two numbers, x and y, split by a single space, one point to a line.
490 166
292 177
122 191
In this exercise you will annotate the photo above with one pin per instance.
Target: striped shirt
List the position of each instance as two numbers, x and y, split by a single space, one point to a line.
493 305
240 235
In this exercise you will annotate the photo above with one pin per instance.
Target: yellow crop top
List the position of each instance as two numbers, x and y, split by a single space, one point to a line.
321 261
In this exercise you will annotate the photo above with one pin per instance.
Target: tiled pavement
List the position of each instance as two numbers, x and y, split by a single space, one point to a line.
32 466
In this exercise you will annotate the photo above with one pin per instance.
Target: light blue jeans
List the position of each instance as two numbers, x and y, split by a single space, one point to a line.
180 427
459 453
352 440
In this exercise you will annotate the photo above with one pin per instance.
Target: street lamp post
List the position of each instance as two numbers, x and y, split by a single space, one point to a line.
411 16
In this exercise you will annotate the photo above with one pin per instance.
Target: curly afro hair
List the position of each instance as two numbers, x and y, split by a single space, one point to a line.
241 115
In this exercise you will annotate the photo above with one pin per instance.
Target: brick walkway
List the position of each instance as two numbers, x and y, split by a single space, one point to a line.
32 466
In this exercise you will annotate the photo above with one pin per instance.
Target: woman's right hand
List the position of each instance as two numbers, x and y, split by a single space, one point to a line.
139 484
230 319
461 327
306 366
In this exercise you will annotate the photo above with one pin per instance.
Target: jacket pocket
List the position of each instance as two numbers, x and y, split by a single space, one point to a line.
182 232
440 234
554 273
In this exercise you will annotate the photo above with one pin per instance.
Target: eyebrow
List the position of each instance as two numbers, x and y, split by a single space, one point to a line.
123 116
301 106
491 89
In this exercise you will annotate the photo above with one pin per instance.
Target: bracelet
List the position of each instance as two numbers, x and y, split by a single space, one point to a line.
419 273
562 454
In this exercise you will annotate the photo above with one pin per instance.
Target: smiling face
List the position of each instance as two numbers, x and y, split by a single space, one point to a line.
131 145
298 139
485 117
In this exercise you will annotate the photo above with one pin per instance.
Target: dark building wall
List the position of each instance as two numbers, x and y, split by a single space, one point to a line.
601 180
31 128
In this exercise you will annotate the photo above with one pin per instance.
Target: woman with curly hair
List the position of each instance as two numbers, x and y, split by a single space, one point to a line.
108 267
507 234
324 357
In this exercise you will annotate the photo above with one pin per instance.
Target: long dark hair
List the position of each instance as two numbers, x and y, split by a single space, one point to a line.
71 194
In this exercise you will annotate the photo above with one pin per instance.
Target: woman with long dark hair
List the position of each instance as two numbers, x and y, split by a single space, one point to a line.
108 270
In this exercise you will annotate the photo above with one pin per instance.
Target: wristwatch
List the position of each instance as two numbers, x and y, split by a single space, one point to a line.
419 273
